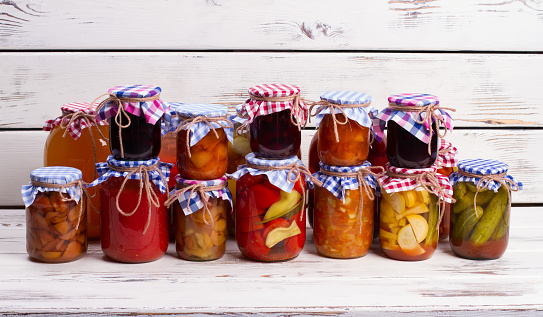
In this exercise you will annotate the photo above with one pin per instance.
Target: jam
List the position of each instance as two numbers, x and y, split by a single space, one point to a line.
140 140
274 135
407 151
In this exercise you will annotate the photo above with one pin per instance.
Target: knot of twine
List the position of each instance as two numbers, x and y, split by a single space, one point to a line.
429 117
121 111
145 184
187 123
323 104
202 190
293 170
429 182
500 178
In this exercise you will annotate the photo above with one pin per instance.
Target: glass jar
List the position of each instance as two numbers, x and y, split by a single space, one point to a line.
313 161
377 157
407 151
480 216
76 149
140 140
56 218
446 162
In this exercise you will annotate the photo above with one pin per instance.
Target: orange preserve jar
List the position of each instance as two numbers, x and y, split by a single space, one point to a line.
409 213
200 209
480 215
203 132
446 164
343 216
344 124
78 141
134 218
56 218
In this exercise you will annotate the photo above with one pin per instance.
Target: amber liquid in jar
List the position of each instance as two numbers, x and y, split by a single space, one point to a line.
141 140
405 150
208 158
274 136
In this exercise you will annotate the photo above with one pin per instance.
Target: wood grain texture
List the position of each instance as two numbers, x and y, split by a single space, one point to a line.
284 25
487 90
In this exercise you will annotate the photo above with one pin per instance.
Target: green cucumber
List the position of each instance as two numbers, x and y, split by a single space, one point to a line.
491 218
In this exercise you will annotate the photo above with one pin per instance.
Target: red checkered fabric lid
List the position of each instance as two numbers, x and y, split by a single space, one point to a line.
255 106
83 119
446 155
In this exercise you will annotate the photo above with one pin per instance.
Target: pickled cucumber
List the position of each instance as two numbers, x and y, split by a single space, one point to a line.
466 221
503 226
433 218
463 203
491 218
460 189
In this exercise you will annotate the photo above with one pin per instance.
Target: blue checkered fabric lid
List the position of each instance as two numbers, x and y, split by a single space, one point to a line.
58 175
195 202
199 129
104 172
237 118
337 185
482 167
277 178
359 114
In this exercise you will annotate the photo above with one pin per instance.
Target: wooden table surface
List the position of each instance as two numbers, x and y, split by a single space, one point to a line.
307 285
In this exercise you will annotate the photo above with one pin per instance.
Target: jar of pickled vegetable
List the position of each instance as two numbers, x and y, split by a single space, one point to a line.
77 140
200 218
412 122
313 160
270 208
134 217
56 217
446 163
409 212
480 215
134 114
343 219
275 114
344 127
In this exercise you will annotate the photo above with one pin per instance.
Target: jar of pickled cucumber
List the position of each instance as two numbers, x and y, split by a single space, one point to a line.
446 164
78 140
410 212
480 216
56 215
413 122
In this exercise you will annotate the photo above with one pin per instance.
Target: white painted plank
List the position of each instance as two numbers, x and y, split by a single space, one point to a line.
281 24
486 89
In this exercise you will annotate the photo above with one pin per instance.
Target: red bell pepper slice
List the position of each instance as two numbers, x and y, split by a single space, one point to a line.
253 245
276 223
249 224
264 196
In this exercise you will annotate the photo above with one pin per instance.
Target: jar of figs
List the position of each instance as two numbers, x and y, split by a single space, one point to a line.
56 217
270 208
134 219
480 216
343 215
275 115
411 200
344 124
413 122
78 140
134 113
200 209
446 163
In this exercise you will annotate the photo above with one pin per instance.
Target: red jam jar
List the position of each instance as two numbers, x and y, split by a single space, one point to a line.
275 116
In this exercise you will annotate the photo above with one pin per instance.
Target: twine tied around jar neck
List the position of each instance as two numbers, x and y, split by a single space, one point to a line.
201 189
187 123
428 119
323 104
145 184
293 170
121 111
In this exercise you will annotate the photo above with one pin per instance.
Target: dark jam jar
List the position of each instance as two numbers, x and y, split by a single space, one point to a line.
407 151
140 140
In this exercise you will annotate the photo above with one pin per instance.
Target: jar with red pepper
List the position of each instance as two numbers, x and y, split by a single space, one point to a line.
446 164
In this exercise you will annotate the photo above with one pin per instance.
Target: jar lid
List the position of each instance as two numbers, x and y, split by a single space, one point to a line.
75 126
358 114
482 167
73 107
346 97
337 185
56 175
413 99
198 109
194 203
446 154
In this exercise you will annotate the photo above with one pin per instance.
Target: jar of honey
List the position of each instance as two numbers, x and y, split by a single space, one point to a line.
77 140
446 164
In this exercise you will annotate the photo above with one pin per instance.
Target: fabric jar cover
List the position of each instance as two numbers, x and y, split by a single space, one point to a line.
104 172
396 184
338 185
76 126
484 168
195 202
278 178
198 130
57 175
253 108
407 120
237 118
446 154
151 110
358 114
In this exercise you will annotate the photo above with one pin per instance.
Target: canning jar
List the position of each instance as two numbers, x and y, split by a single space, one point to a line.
343 215
413 122
134 114
344 124
134 219
200 218
270 208
313 166
275 114
56 217
446 163
410 212
377 157
77 140
480 216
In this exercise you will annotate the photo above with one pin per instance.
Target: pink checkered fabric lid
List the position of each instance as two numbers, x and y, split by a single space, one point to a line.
394 184
254 108
76 127
446 155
